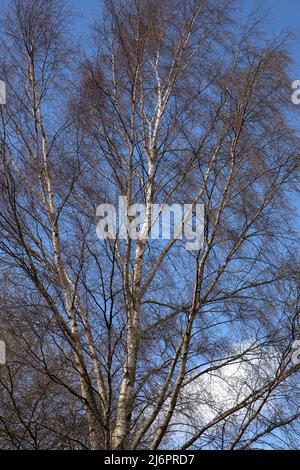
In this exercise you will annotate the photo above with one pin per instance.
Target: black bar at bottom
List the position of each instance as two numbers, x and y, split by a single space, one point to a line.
151 459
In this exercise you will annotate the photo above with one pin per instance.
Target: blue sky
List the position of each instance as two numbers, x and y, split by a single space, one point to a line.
283 14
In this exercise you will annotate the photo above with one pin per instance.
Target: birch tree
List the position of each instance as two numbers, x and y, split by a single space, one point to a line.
141 343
